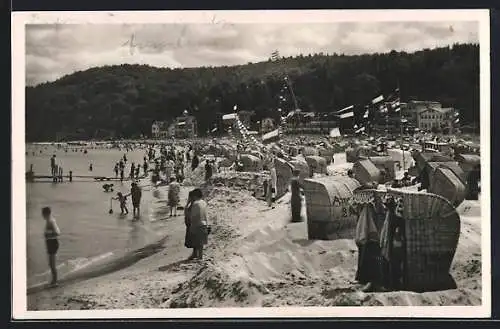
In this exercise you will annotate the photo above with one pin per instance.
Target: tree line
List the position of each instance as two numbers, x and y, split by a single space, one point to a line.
122 101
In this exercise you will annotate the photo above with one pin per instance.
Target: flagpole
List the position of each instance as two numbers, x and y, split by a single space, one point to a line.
401 126
275 55
291 91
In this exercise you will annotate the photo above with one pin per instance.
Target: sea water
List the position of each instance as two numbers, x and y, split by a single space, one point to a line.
89 234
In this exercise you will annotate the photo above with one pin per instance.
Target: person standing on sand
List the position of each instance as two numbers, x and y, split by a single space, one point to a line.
195 162
174 189
52 164
272 184
296 199
208 170
51 234
196 224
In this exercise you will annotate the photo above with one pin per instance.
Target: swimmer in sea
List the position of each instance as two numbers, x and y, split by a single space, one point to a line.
108 187
51 234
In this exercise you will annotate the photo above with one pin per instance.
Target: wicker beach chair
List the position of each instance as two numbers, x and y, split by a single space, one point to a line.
468 161
351 155
366 172
447 184
422 158
251 163
308 150
387 164
327 153
432 230
329 215
284 175
302 166
317 164
452 165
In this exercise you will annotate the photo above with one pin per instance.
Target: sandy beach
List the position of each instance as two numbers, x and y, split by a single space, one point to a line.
256 257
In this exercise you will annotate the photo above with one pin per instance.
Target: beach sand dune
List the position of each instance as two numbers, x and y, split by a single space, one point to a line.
256 257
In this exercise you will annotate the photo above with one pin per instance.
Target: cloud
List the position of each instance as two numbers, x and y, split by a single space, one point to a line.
54 50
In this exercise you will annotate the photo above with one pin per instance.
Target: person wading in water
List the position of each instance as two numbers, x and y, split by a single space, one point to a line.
51 233
136 194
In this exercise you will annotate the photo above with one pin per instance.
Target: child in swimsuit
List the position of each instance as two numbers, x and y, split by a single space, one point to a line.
123 202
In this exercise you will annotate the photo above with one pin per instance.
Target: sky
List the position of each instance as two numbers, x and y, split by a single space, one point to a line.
55 50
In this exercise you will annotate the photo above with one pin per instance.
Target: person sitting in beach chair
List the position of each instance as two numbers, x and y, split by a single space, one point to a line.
406 181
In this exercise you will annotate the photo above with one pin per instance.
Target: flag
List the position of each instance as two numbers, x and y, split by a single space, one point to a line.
365 115
270 137
378 99
351 107
275 55
231 116
359 130
346 115
396 105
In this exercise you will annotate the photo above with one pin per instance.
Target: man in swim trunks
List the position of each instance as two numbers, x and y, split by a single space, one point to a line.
51 234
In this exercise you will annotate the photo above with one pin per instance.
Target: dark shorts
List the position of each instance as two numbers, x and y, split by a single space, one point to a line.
52 246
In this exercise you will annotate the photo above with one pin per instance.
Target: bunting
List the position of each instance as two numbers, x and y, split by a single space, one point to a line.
275 55
367 113
360 130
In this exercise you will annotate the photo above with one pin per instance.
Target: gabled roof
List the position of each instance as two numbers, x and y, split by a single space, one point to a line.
436 109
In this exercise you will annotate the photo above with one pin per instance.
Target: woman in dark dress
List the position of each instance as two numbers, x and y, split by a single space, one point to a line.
187 221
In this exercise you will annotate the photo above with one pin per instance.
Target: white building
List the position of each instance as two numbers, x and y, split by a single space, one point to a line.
159 129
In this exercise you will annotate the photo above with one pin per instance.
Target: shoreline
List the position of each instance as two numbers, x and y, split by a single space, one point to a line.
259 260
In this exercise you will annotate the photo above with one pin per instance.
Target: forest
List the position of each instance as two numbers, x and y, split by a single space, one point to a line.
122 101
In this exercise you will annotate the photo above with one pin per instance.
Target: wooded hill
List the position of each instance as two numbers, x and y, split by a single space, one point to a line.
124 100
